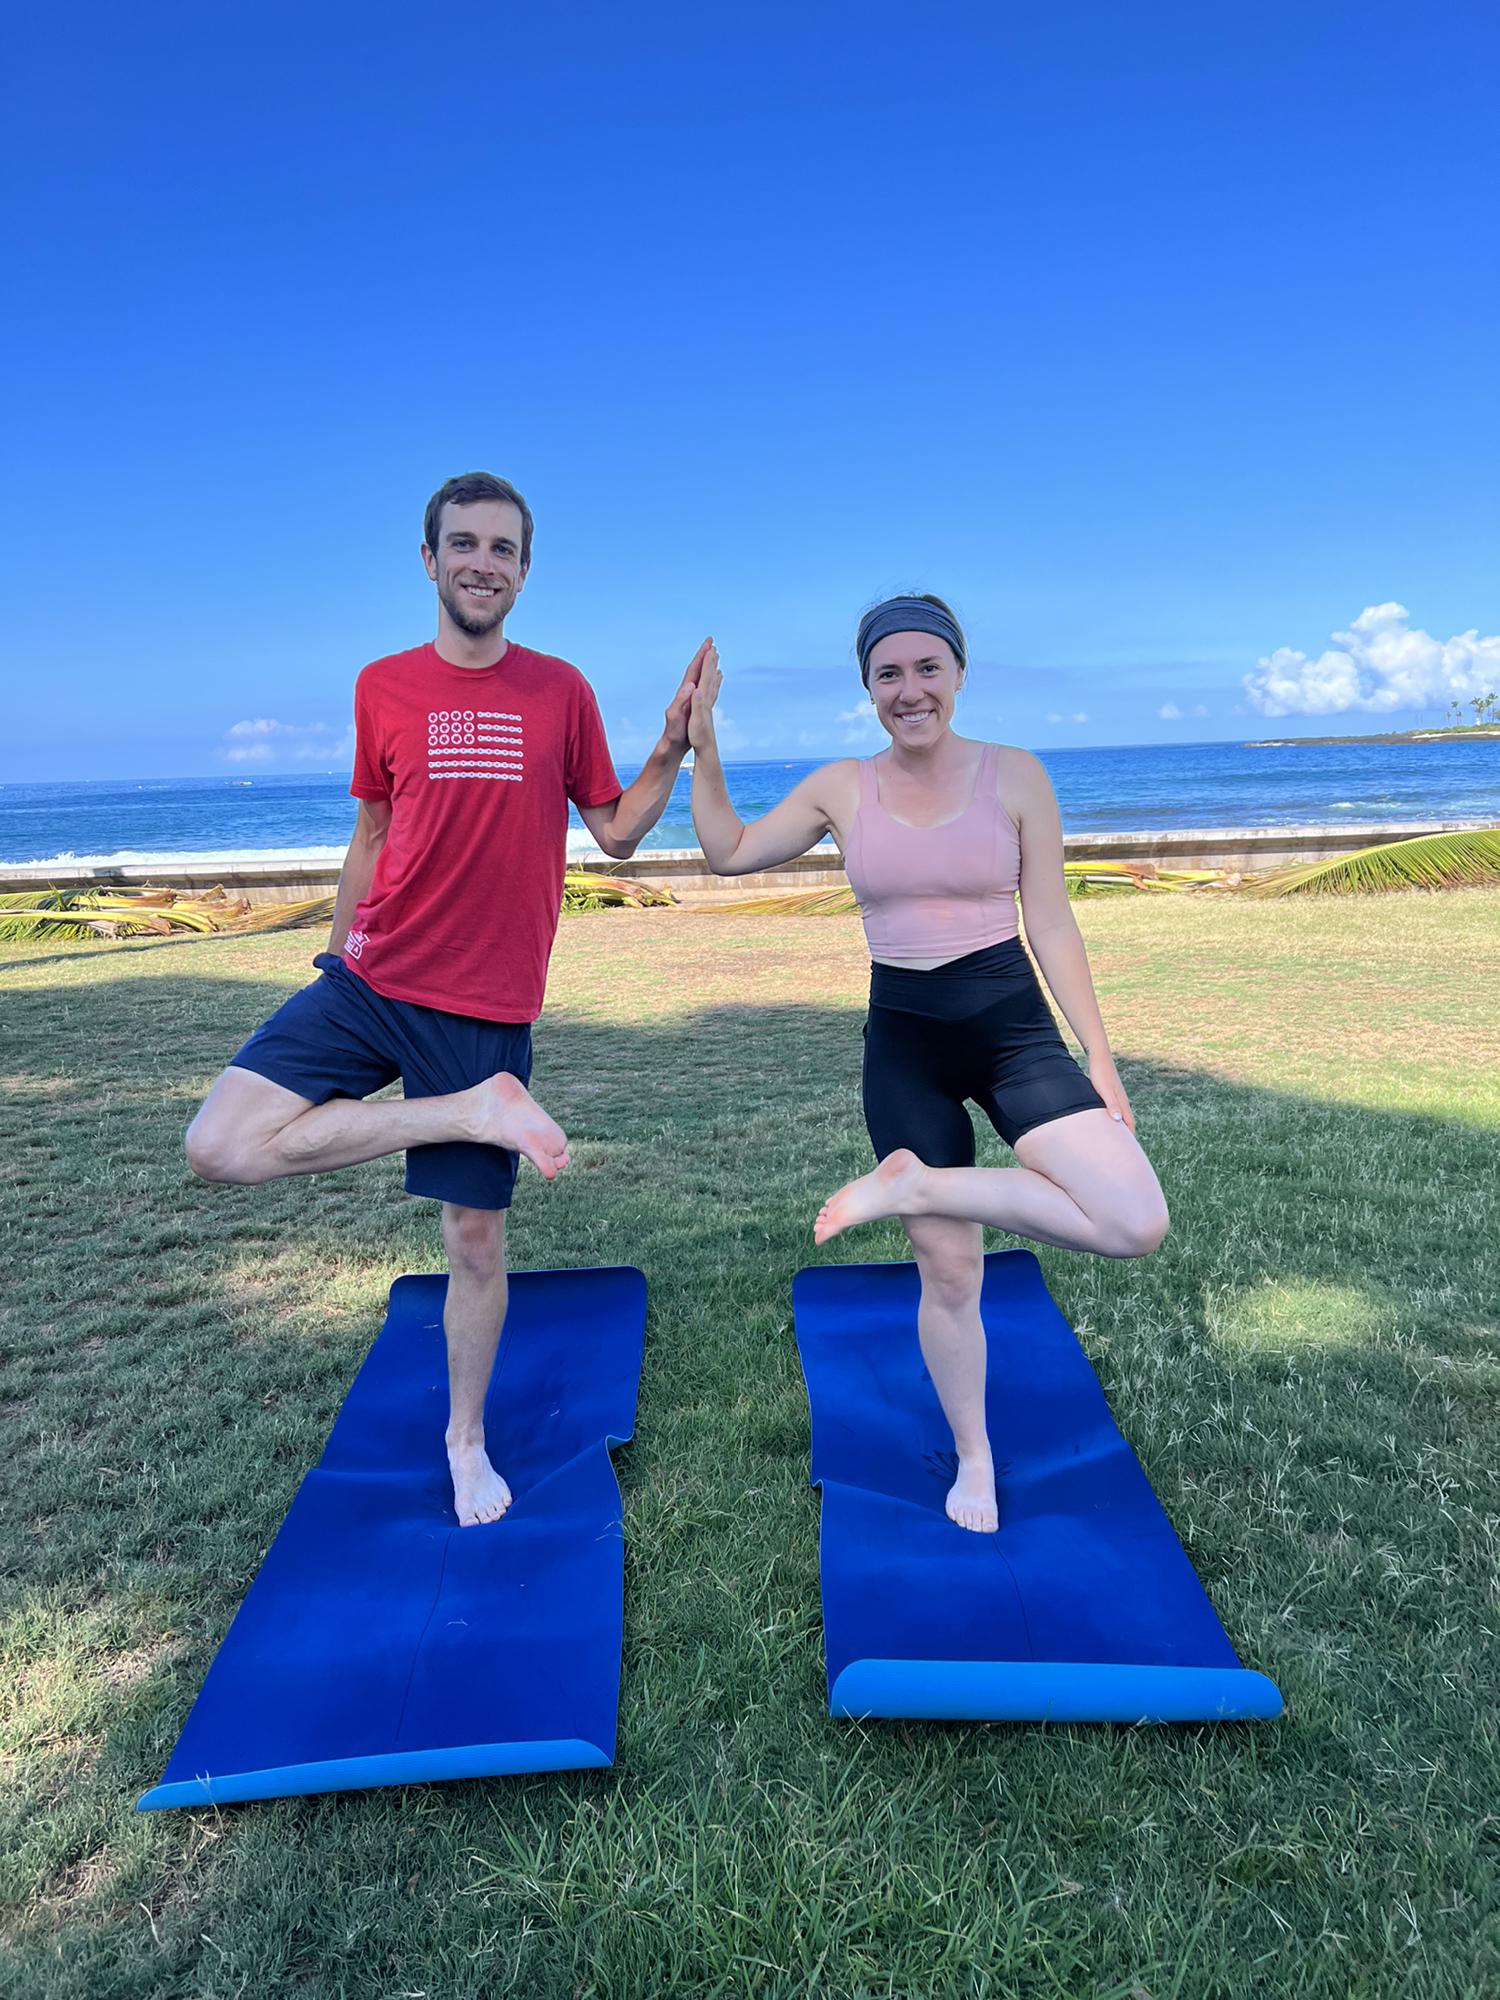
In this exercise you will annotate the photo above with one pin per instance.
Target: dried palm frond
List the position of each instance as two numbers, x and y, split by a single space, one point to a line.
800 903
583 890
1083 878
264 917
64 914
1464 860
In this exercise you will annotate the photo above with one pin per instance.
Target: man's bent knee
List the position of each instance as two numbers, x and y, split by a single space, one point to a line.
215 1155
240 1127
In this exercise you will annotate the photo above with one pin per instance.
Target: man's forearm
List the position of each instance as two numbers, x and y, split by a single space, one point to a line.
644 800
355 877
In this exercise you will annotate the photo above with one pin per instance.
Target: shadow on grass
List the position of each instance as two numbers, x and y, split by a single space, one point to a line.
1307 1369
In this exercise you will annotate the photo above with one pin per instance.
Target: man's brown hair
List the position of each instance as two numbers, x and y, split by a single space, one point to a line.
463 492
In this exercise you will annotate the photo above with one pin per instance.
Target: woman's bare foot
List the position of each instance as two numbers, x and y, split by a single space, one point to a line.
479 1493
971 1498
504 1113
893 1189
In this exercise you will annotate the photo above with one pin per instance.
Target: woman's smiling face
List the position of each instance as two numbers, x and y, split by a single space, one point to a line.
914 679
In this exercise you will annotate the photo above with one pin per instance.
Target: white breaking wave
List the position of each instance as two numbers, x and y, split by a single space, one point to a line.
150 857
580 841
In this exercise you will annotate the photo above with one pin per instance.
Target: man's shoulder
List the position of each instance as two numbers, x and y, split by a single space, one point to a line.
548 665
394 667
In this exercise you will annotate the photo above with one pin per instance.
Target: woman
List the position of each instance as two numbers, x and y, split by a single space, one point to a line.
940 835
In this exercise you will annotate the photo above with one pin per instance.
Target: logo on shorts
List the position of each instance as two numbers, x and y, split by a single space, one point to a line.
355 943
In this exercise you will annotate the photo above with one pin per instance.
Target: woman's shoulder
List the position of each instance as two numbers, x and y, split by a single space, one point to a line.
837 776
1016 767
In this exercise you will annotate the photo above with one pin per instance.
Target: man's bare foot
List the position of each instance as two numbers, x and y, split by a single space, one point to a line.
971 1498
504 1113
479 1493
893 1189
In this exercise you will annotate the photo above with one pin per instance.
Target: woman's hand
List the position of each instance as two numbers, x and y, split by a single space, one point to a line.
700 722
1106 1080
675 732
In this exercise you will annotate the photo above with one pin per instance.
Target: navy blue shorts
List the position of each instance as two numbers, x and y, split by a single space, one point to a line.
340 1038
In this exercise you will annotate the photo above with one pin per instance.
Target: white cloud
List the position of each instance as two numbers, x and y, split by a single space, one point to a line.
1200 709
262 741
628 738
859 724
1170 712
1381 663
1053 716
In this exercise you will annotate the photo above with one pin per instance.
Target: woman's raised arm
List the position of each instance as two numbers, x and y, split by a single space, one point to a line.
729 846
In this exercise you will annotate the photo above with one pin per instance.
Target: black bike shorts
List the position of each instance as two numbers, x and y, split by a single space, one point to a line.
975 1030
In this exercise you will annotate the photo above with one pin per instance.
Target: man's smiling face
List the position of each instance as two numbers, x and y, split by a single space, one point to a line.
477 564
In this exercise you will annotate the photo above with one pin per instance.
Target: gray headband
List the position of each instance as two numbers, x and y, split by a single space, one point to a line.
906 614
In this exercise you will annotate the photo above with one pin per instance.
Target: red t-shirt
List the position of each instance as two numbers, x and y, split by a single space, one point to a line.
479 764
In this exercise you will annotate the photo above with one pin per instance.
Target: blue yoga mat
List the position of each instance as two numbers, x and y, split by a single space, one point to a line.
1084 1607
381 1643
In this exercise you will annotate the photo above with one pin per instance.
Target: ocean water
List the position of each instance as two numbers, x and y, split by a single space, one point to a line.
1139 788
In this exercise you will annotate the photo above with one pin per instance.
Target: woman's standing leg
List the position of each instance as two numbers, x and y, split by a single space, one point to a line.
950 1257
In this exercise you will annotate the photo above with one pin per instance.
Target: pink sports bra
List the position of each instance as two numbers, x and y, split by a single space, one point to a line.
935 891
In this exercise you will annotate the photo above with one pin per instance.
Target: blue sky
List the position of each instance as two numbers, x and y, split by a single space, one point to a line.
1159 339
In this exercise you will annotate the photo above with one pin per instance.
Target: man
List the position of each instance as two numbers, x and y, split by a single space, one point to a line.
467 752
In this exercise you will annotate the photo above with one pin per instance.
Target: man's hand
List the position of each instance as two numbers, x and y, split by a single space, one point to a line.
675 734
700 718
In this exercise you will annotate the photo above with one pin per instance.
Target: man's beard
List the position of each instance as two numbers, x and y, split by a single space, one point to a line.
476 621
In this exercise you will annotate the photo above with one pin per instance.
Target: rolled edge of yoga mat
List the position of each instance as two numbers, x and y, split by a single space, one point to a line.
357 1774
1049 1691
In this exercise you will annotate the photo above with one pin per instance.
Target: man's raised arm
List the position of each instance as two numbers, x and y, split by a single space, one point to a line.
621 826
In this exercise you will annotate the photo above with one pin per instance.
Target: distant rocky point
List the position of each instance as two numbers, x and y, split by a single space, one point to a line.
1462 735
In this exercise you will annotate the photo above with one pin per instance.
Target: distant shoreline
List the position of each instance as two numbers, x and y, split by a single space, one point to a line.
1392 736
327 861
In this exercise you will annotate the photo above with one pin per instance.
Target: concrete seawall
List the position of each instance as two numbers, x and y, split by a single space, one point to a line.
291 878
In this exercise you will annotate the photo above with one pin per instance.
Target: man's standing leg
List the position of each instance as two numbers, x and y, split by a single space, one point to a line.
472 1321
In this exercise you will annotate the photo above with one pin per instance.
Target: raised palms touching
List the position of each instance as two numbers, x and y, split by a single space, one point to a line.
700 725
676 729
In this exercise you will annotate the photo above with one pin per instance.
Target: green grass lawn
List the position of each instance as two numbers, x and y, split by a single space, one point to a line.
1308 1369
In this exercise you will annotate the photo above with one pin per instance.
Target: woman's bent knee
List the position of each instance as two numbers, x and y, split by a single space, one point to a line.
1138 1233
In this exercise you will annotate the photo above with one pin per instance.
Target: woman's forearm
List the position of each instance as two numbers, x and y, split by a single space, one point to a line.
1059 951
715 820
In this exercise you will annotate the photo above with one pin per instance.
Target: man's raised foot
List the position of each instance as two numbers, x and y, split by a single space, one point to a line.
503 1112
